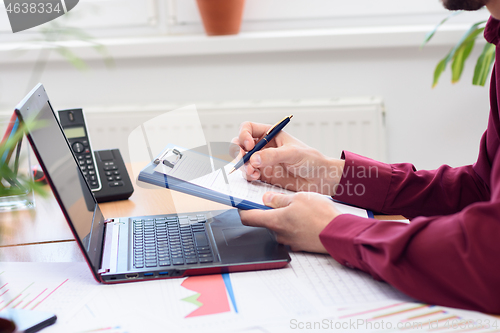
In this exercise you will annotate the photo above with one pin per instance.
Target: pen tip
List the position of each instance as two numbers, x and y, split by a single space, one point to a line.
291 116
232 170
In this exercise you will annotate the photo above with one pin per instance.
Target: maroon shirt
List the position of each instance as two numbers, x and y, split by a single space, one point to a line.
450 252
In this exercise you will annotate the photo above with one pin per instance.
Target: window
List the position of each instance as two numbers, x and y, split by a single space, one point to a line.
100 18
303 14
133 18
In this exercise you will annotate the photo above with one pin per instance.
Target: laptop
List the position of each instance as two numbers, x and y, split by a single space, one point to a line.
119 249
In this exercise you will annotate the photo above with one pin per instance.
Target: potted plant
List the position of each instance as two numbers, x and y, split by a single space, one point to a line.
16 186
459 54
221 17
16 179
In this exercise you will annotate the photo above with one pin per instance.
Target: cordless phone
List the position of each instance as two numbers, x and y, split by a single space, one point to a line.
104 170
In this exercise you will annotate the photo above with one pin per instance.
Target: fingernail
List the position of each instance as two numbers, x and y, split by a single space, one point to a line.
268 197
256 160
246 144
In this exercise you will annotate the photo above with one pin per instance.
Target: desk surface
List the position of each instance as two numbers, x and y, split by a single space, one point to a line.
46 223
42 235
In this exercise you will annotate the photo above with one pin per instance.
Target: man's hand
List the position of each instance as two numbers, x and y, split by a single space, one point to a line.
287 162
296 219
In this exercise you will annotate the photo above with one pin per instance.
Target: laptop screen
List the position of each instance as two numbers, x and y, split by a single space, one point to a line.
63 173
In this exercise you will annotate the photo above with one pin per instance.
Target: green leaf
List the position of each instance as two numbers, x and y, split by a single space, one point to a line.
54 32
462 53
72 58
441 66
109 61
431 33
19 184
483 65
469 35
11 142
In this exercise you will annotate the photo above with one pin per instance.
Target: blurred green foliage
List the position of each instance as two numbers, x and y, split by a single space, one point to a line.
459 54
12 183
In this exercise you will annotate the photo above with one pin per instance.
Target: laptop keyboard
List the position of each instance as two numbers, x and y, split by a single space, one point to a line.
168 241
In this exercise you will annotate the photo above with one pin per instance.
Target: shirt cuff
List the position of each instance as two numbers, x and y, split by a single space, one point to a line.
338 238
364 183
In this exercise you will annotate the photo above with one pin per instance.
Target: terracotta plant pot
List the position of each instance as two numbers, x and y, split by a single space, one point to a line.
221 17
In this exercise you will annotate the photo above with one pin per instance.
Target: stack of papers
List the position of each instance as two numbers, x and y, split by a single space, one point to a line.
313 290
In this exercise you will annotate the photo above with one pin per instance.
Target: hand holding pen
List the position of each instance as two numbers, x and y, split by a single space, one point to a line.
286 161
271 133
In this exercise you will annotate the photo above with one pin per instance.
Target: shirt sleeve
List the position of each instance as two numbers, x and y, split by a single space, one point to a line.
447 259
401 189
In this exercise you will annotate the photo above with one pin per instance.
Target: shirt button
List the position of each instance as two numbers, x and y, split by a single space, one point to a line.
348 264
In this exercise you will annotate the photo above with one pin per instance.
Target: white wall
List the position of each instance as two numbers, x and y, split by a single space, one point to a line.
427 127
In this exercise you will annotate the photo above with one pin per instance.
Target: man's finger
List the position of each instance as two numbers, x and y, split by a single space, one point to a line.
250 176
250 131
259 218
276 200
234 148
274 156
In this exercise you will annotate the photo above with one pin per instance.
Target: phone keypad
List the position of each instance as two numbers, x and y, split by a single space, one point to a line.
86 162
112 173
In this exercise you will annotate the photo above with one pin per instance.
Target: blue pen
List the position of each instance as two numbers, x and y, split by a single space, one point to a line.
265 140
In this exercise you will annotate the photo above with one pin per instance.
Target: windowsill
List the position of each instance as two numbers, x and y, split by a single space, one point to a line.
249 42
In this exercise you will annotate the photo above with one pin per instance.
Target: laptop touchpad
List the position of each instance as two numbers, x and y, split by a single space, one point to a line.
244 236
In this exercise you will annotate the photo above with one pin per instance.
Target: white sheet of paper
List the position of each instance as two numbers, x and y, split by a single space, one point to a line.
335 285
195 169
313 287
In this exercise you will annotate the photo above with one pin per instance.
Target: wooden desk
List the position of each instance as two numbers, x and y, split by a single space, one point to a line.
42 234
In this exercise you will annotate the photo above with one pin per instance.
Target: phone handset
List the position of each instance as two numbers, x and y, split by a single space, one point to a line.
104 170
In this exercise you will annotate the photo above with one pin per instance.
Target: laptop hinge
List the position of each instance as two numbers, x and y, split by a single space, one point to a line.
110 246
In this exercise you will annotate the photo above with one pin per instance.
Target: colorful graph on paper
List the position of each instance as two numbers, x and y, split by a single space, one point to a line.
212 294
29 297
44 286
417 316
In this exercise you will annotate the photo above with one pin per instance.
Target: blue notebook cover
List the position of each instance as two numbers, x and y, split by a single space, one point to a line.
148 175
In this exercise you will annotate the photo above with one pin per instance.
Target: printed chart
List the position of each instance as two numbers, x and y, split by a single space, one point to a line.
334 284
47 287
28 298
410 316
212 294
278 300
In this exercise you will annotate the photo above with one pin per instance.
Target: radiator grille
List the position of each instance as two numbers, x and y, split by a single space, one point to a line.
330 126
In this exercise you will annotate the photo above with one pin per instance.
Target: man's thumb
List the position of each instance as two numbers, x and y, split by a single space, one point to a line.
276 200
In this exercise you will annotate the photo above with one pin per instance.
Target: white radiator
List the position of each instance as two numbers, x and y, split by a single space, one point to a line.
333 125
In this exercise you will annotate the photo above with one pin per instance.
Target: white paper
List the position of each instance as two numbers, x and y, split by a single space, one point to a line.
413 317
53 287
336 285
307 291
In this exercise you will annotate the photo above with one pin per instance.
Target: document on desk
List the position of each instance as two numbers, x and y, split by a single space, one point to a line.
313 288
212 176
335 285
